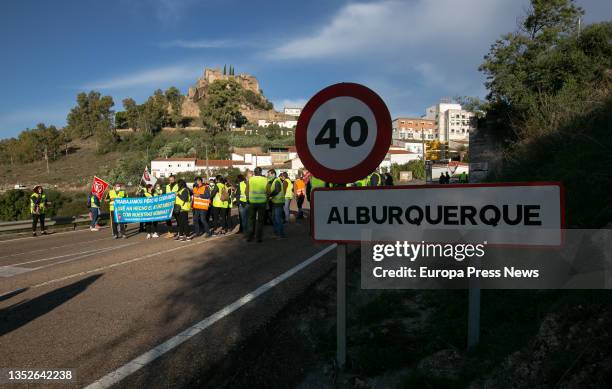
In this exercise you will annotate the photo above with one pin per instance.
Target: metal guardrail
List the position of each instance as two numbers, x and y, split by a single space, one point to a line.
53 221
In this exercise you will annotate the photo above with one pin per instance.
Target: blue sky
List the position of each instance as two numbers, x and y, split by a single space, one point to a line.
410 52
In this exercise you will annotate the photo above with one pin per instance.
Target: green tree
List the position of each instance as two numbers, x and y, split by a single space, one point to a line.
92 114
121 119
132 113
220 110
549 105
14 205
472 104
175 100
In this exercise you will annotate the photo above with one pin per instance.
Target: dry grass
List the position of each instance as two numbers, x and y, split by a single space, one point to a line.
72 172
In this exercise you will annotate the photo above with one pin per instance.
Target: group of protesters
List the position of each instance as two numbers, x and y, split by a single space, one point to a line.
260 200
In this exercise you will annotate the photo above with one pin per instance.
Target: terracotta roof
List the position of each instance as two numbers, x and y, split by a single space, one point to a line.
417 119
219 162
400 152
174 159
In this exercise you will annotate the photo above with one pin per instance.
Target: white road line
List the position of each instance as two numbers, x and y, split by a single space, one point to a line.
68 255
99 269
54 247
46 236
84 256
137 363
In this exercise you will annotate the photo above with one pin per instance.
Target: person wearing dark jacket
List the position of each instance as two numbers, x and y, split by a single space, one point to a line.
94 210
277 203
388 179
183 201
243 205
141 193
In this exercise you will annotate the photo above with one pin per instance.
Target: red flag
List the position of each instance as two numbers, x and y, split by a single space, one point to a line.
98 187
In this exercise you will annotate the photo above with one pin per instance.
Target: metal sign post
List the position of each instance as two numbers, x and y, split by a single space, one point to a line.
341 306
473 335
342 136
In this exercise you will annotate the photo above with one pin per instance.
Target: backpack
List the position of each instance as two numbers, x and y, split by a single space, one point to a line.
224 194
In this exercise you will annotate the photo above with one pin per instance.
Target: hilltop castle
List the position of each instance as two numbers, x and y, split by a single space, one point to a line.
197 92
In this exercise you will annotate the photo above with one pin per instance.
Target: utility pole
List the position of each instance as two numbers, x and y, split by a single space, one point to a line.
47 158
206 155
423 144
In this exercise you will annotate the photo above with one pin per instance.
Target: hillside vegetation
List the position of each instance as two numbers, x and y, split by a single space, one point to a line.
89 144
549 104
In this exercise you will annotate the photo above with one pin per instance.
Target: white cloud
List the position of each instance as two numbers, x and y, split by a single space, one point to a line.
390 26
201 44
281 103
155 78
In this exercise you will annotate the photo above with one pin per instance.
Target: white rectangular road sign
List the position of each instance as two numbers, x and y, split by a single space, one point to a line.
525 214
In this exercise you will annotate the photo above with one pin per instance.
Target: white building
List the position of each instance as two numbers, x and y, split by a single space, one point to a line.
293 111
282 124
453 122
415 146
398 156
165 167
253 160
437 112
459 123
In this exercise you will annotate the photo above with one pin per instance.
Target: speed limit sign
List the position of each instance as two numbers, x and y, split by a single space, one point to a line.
343 133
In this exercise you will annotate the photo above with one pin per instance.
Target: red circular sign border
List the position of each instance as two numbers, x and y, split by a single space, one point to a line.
381 146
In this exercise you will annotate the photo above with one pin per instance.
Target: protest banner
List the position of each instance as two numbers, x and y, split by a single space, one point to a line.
144 209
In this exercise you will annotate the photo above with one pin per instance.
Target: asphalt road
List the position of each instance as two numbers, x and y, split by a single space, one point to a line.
84 301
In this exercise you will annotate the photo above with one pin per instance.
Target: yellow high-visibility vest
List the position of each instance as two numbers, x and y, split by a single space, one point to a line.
243 195
217 203
289 191
257 189
112 195
316 183
185 205
41 204
278 198
174 188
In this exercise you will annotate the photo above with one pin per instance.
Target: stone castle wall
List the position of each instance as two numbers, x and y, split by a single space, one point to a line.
198 91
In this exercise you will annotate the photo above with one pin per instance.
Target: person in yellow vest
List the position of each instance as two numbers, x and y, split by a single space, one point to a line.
171 187
288 189
227 209
183 201
299 189
277 198
314 183
94 210
243 205
38 207
150 227
158 191
220 202
201 203
116 193
375 179
256 198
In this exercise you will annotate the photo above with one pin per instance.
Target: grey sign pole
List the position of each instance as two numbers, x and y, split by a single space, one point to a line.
473 317
341 306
